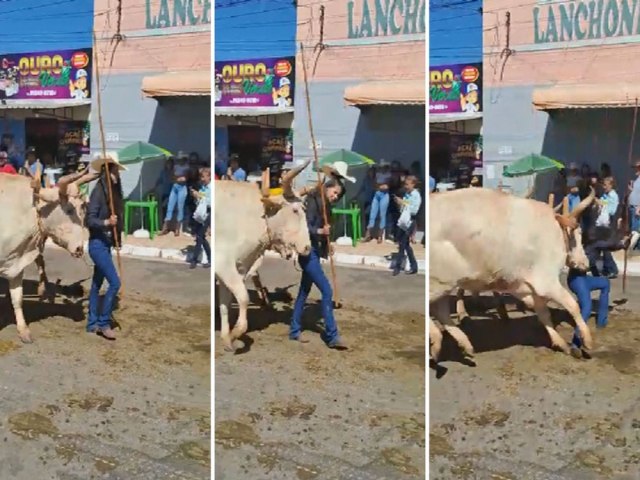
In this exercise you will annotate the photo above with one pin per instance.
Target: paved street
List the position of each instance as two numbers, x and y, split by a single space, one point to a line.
75 406
301 411
527 412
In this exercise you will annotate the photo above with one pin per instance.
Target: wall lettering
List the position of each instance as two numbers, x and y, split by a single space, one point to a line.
177 13
381 18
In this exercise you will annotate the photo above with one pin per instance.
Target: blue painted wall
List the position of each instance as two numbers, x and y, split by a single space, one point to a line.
254 29
39 25
455 32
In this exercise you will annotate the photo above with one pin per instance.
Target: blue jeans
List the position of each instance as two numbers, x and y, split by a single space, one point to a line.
582 286
312 273
404 243
379 206
200 231
177 197
100 253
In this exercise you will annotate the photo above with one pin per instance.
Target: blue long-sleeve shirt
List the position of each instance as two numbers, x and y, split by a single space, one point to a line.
315 221
412 200
98 211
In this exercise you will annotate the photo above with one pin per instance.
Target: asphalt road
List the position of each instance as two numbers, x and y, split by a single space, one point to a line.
527 412
301 411
76 406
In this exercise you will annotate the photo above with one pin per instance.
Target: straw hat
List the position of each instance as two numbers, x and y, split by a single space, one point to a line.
339 169
112 157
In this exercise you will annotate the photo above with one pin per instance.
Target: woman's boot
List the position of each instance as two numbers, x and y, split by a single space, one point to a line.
380 233
176 232
367 236
165 228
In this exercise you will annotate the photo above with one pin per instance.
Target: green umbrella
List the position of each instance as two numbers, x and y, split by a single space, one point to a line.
140 152
530 165
352 159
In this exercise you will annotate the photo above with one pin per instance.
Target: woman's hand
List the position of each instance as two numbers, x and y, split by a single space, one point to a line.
111 221
326 230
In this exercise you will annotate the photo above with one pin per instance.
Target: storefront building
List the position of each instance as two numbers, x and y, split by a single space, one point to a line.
565 86
155 68
366 75
254 113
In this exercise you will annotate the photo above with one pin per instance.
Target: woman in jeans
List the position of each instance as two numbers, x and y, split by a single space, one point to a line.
582 285
380 202
200 229
411 201
312 272
101 222
178 195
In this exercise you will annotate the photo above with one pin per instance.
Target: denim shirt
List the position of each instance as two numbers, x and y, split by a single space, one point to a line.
315 221
98 211
412 201
611 202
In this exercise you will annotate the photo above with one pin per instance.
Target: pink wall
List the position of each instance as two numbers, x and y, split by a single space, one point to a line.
151 46
548 55
346 57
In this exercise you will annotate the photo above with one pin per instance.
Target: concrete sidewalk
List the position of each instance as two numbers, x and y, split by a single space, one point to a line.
176 249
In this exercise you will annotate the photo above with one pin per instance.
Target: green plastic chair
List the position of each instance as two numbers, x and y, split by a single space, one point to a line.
356 223
151 207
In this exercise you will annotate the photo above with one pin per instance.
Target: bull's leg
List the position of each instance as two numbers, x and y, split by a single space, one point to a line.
461 311
15 288
262 291
544 315
42 274
441 308
225 298
561 296
235 283
502 308
435 340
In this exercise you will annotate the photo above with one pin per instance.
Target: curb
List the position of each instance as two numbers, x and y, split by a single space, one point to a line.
176 255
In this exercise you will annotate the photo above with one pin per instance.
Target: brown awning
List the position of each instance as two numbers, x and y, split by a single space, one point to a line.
610 95
399 92
178 84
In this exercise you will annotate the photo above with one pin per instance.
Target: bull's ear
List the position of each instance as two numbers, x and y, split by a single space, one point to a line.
271 207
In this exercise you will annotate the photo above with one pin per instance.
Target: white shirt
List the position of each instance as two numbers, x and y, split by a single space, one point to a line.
470 107
634 196
282 102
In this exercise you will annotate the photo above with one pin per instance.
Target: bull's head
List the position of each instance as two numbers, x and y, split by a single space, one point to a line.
576 256
61 210
286 218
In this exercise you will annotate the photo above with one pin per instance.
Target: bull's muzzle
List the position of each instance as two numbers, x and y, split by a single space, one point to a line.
307 251
78 252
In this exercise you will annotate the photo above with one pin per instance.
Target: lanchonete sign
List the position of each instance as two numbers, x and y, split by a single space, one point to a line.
54 75
455 89
267 82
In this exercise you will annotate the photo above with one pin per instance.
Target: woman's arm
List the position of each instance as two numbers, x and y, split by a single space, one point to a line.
93 210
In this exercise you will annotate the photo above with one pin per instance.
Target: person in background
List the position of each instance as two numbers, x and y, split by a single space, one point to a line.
312 272
235 171
634 207
582 284
220 164
367 190
178 194
101 223
193 182
411 201
572 186
163 185
398 174
380 202
605 170
200 229
432 184
5 166
33 166
609 203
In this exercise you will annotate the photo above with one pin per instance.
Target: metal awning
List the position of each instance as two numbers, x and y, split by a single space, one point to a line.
608 95
398 92
453 117
250 111
178 84
45 104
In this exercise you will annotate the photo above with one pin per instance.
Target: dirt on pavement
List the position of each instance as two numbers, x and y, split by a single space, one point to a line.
287 410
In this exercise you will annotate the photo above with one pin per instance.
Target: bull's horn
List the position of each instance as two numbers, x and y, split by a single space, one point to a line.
288 179
65 181
87 177
567 222
36 182
557 208
583 204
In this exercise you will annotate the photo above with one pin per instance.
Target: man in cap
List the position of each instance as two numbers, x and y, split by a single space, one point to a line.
572 186
469 102
5 166
78 89
235 172
281 95
32 166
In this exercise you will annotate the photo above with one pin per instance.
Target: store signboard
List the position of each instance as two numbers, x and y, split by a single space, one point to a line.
53 75
12 136
277 148
466 160
267 82
73 136
455 89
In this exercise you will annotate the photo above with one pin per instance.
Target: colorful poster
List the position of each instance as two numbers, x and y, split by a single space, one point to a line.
255 83
466 160
73 136
55 75
455 89
277 148
12 136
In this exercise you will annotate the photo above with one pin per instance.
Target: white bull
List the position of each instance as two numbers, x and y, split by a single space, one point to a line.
248 222
29 216
484 240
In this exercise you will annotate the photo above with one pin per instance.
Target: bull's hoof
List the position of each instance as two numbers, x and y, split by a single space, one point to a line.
576 353
25 337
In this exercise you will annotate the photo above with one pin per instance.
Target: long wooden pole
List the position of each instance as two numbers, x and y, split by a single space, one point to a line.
112 210
337 302
626 201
